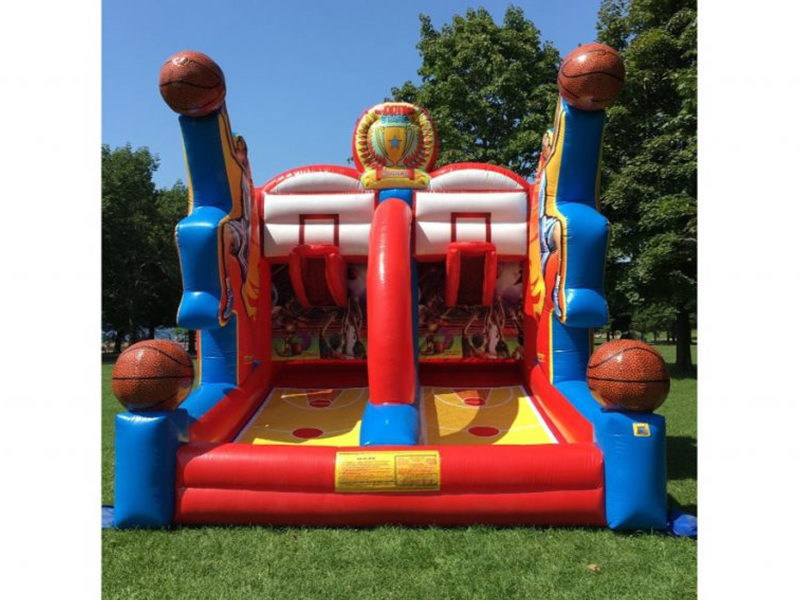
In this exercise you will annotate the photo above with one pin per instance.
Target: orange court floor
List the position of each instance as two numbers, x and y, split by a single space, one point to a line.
502 415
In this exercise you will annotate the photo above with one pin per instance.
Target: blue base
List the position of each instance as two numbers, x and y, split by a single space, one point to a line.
635 465
144 473
390 425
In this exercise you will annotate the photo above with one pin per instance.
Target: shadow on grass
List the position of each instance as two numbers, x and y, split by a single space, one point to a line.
681 457
675 373
690 509
681 464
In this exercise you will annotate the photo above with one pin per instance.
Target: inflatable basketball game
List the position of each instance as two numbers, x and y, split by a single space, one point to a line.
392 342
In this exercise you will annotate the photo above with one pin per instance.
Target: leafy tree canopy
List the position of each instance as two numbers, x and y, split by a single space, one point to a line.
490 88
650 162
491 91
141 274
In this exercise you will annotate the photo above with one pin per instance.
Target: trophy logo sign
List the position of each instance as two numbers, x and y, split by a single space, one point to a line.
394 145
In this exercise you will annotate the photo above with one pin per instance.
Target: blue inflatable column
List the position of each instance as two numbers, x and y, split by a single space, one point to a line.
633 444
144 472
198 242
635 455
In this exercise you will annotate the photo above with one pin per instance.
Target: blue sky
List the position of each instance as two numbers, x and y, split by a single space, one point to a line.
298 73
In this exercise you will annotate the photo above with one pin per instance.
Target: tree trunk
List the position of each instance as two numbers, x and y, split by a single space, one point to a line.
120 335
192 342
683 341
608 335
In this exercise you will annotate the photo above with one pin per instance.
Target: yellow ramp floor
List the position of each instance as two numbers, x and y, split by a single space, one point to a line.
332 417
314 417
471 416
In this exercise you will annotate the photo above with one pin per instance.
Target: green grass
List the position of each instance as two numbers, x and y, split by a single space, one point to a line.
393 562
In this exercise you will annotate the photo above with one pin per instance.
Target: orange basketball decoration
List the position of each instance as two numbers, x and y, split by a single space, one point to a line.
152 375
591 77
628 375
192 84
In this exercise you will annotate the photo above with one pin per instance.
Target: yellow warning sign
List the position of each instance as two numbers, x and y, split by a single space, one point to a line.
641 429
388 471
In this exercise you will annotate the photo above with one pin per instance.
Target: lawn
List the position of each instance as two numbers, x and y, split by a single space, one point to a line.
393 562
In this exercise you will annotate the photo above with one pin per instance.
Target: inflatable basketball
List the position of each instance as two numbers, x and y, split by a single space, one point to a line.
152 375
628 375
192 84
591 77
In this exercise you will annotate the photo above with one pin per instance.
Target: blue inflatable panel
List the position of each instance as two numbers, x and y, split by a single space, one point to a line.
577 178
587 236
571 347
585 307
635 458
197 234
390 425
577 392
218 348
205 161
404 194
217 369
204 398
144 473
586 230
197 237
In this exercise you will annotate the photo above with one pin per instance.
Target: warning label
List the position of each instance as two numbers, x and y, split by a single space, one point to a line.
388 471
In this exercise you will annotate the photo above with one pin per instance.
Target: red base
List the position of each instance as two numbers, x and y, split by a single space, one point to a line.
282 485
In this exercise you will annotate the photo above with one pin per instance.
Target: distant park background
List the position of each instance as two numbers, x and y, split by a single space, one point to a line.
489 83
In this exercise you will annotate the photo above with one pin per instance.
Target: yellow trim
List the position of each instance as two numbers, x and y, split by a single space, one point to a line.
199 347
188 181
536 284
369 179
553 170
235 172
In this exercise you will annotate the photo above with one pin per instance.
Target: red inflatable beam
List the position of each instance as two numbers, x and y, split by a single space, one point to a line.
240 483
390 360
231 413
253 507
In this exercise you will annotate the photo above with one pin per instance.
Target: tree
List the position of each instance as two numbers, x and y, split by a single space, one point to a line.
141 273
491 89
650 165
653 318
165 274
